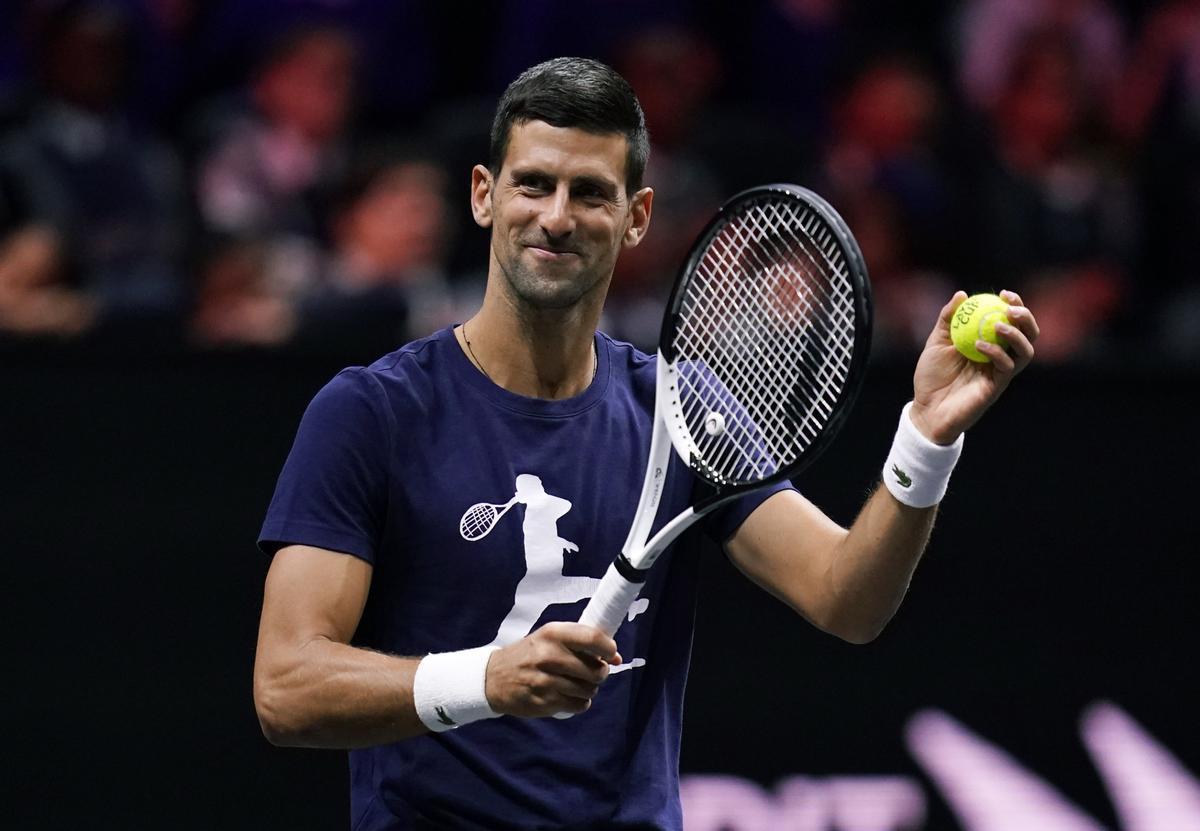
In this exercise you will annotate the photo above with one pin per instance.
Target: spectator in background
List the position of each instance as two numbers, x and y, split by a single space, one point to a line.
1055 217
31 303
262 173
992 36
674 72
384 281
100 202
527 31
1156 114
265 177
381 281
882 172
235 304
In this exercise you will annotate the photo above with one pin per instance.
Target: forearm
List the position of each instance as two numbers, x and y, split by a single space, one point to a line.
872 566
333 695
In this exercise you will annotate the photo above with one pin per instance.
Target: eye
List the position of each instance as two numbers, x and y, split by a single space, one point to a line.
592 193
532 183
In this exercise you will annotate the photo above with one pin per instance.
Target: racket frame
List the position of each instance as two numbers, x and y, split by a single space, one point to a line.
863 314
624 578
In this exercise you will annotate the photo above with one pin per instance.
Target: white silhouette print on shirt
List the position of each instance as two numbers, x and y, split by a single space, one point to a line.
544 583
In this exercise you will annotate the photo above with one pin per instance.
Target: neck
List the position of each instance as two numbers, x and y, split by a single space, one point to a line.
538 353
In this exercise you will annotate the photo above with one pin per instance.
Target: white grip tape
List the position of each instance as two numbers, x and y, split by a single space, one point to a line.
917 471
448 688
609 605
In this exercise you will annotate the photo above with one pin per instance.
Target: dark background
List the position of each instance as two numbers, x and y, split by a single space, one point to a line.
143 421
1062 571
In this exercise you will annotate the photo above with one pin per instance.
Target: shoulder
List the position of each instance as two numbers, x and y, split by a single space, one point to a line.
631 364
421 381
379 386
417 364
621 350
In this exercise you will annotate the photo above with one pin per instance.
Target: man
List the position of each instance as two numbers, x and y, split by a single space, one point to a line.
377 533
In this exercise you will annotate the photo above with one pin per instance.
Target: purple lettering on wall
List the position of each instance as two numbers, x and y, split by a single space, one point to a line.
984 785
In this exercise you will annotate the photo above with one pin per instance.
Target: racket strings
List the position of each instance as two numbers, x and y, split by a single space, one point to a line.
478 520
765 338
788 362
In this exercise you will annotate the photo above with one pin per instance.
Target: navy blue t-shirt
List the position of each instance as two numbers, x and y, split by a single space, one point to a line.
387 460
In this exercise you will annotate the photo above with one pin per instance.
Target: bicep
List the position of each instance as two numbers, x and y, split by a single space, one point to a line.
787 546
312 593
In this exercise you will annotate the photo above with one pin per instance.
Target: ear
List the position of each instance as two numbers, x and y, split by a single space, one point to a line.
481 196
639 211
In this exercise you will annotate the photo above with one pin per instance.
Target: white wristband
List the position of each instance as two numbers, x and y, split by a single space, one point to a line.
448 688
917 471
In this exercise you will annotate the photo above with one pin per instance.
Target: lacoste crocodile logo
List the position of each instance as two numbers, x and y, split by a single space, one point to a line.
443 718
901 477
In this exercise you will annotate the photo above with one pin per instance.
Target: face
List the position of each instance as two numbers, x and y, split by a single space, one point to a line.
400 222
312 89
559 213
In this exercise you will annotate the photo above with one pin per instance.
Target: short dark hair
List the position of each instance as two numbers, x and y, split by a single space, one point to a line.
574 92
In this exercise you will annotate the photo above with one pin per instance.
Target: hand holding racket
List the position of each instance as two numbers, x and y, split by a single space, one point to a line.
761 355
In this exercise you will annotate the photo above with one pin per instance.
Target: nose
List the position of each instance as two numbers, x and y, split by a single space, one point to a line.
556 220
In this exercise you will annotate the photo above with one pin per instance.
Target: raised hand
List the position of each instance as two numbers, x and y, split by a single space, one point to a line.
950 393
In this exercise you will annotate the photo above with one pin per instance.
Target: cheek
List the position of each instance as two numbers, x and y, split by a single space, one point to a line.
513 219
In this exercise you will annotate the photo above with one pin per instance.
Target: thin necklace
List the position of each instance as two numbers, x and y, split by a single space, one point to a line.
471 352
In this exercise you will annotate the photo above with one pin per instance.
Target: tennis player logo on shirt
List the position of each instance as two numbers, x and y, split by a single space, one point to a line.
544 583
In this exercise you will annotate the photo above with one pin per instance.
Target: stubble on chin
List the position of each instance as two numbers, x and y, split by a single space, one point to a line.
539 292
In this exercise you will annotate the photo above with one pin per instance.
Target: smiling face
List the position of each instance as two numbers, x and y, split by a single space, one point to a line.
559 213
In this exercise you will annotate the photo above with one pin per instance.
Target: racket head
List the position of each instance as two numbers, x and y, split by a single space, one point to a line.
478 521
765 340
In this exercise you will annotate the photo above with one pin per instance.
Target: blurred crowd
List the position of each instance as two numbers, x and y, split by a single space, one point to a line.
294 175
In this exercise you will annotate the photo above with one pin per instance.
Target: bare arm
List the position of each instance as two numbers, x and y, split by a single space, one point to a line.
847 582
850 582
313 689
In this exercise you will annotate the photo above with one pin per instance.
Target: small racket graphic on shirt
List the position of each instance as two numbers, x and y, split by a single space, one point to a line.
479 520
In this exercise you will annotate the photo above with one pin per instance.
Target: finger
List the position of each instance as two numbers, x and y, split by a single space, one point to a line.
568 704
948 310
579 637
582 667
1001 360
1011 298
1019 345
574 688
554 695
1023 319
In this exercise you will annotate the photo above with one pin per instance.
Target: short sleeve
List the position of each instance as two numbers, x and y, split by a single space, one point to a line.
332 492
725 521
741 446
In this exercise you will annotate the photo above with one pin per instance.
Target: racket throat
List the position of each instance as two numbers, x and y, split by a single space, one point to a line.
653 484
629 571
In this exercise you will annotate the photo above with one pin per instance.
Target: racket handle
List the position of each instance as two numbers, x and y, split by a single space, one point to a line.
609 605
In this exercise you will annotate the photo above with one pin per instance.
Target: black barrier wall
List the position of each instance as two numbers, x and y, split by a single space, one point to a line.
1063 572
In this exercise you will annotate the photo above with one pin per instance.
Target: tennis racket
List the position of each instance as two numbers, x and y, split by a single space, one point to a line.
762 353
479 520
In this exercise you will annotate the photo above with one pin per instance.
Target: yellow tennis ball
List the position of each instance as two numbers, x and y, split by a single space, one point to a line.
976 319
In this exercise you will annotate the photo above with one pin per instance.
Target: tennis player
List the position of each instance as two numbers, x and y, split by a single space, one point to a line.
445 513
